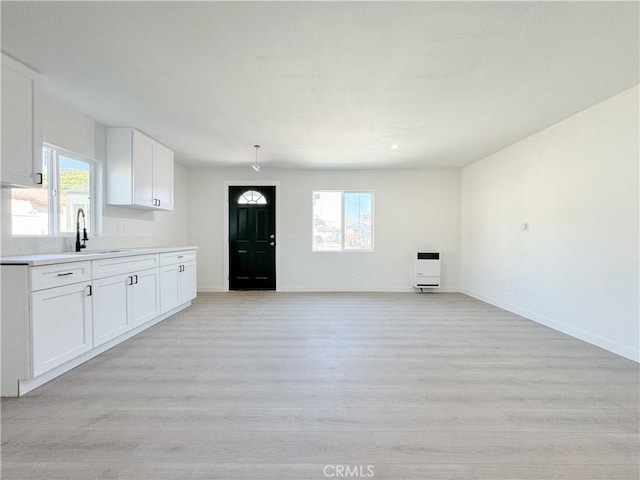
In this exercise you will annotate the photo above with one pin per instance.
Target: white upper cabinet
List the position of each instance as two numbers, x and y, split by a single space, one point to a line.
142 164
163 177
139 170
21 133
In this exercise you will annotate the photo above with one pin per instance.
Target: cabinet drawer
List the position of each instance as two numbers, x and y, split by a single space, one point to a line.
49 276
183 256
107 267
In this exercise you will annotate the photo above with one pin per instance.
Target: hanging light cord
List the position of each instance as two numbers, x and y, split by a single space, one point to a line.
255 166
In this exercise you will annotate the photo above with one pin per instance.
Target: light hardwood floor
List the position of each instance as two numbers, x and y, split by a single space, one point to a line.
255 386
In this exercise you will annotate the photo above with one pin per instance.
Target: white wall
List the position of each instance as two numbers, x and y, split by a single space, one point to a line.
414 209
576 268
67 128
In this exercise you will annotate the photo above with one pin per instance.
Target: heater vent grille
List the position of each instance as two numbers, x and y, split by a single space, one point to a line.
427 269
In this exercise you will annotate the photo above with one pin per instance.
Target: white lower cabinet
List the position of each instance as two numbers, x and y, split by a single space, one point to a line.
168 288
110 308
61 325
56 316
178 285
144 296
187 285
124 301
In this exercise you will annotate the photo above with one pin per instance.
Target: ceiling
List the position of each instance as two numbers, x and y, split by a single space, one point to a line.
329 84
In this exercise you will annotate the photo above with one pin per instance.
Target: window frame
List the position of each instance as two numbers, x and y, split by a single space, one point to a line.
342 222
53 187
260 200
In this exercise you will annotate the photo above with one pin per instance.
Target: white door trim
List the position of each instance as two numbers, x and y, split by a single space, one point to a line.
225 225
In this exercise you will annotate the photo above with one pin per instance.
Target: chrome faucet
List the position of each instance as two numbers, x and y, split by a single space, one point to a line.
80 246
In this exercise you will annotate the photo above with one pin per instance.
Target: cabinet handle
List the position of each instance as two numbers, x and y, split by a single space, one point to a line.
65 274
130 280
39 181
90 290
180 256
159 202
136 277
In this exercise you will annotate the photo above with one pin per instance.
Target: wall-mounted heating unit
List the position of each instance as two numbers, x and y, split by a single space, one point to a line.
427 269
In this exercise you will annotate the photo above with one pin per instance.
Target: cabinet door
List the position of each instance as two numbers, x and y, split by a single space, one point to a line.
110 310
18 126
169 288
163 177
144 296
142 154
61 325
187 282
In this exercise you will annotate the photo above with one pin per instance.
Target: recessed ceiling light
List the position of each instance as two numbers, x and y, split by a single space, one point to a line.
395 146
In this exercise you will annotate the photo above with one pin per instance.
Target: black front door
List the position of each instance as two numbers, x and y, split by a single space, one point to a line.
252 238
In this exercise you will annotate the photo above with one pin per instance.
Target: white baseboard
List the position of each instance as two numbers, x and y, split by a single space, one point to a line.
334 289
343 289
593 339
210 289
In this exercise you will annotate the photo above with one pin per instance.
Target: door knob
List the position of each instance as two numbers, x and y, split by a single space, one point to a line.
272 236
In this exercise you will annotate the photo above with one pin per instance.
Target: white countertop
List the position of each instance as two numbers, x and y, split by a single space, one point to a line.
36 259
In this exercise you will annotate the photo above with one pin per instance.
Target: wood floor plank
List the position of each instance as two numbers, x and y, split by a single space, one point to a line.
508 447
454 419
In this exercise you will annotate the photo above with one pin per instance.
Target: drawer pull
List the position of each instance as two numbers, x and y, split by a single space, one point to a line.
181 256
65 274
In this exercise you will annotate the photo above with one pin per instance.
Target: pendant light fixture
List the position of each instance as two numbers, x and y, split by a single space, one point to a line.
255 166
